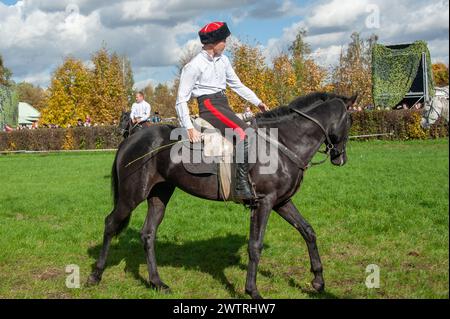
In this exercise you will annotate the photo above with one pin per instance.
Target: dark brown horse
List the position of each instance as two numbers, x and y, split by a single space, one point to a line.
303 127
127 127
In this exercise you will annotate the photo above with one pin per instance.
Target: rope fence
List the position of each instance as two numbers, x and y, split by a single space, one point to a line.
115 149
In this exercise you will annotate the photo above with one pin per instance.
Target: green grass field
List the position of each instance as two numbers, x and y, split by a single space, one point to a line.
388 206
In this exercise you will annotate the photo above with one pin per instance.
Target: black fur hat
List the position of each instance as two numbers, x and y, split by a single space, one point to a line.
214 32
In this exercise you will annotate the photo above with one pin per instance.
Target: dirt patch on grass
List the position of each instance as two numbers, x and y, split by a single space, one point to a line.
48 274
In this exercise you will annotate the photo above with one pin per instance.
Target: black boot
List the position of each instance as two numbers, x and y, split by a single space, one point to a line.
242 190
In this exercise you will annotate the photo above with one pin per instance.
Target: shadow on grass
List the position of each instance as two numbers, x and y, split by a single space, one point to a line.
211 256
311 292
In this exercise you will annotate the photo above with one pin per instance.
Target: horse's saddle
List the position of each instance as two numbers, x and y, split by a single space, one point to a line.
216 153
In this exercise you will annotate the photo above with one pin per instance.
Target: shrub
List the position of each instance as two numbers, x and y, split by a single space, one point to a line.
79 138
403 124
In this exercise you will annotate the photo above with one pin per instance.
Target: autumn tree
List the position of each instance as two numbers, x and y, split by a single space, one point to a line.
108 92
310 77
69 97
284 79
33 95
149 93
353 74
250 66
164 100
440 74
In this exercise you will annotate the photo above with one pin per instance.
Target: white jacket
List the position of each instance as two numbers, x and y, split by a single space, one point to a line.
208 75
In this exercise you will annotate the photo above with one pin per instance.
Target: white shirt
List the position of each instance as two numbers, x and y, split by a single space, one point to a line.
208 75
141 110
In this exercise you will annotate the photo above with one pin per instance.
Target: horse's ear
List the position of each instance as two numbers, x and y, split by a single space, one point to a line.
351 101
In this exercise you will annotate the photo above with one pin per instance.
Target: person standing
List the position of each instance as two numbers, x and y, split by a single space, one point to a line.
206 77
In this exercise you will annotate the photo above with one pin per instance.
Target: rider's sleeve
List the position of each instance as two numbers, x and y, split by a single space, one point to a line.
189 77
133 112
236 85
146 113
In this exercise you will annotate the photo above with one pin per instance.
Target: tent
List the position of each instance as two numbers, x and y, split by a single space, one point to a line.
27 114
401 73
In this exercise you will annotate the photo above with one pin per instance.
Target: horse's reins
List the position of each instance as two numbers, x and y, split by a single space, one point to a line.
157 150
291 155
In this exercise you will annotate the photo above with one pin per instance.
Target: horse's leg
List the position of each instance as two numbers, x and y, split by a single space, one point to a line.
290 213
114 224
157 202
258 223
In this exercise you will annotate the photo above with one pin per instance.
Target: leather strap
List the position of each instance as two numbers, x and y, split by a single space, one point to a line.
291 155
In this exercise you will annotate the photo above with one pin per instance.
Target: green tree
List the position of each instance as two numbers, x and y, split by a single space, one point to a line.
5 74
128 79
33 95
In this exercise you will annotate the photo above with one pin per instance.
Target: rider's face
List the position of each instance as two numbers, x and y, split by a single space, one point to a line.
219 47
139 98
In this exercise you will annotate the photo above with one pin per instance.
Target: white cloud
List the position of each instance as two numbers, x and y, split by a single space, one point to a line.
140 85
327 56
35 35
337 13
41 79
330 24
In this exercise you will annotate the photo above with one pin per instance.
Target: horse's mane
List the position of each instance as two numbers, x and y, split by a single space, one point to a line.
304 103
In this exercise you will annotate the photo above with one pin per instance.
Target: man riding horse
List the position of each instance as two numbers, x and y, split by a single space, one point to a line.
206 77
140 111
303 126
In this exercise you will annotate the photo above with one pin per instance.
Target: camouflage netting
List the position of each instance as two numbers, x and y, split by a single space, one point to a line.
9 107
395 69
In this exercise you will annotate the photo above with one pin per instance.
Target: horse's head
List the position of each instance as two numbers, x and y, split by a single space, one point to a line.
434 108
124 123
429 116
340 130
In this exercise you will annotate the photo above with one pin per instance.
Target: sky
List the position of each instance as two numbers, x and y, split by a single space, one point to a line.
36 35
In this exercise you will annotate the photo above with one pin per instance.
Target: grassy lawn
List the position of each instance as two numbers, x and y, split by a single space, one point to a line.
388 206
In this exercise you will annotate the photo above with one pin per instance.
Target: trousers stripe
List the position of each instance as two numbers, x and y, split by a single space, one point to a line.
225 120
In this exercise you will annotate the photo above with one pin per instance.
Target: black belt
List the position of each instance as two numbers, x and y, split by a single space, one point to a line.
212 96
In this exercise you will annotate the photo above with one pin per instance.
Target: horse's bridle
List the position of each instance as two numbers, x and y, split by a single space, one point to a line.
129 130
329 145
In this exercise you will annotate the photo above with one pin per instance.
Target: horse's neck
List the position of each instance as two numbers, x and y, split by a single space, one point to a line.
440 106
304 139
445 111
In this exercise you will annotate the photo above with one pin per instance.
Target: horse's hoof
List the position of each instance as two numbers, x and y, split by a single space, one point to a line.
318 285
254 294
162 288
93 280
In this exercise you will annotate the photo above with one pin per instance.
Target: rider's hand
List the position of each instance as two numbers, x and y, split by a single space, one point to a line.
194 135
263 107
